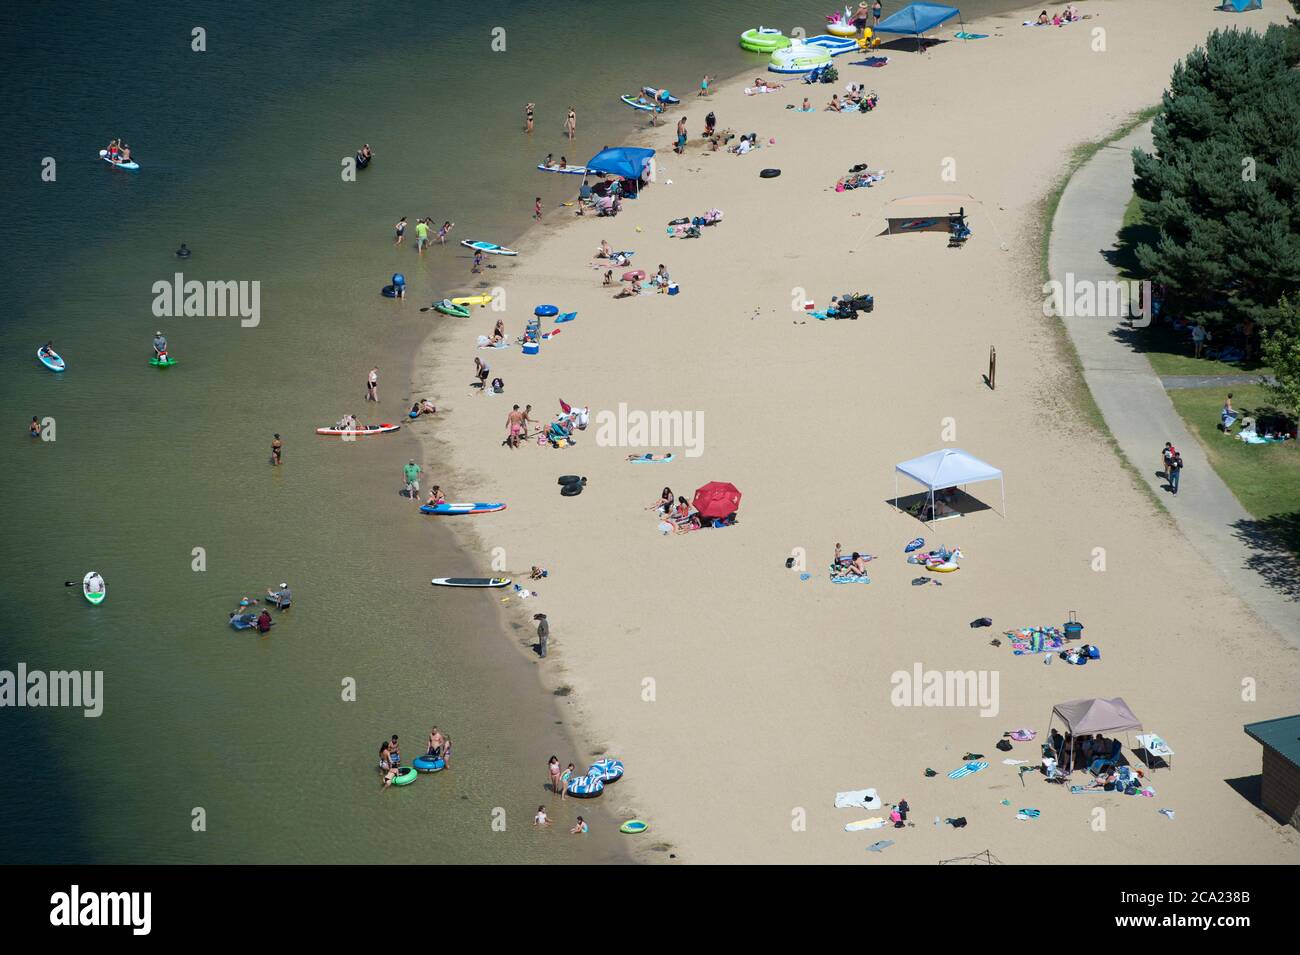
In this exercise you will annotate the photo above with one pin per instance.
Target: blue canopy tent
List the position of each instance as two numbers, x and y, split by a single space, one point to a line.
1241 6
916 18
630 162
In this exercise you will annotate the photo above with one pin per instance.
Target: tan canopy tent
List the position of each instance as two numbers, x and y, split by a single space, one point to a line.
1086 717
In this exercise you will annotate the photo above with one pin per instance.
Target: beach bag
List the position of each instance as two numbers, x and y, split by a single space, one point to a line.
1004 745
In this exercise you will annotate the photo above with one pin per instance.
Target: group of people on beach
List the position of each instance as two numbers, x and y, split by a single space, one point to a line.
422 227
678 514
1068 15
559 779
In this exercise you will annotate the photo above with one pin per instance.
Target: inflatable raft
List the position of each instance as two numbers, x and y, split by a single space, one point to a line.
799 58
763 40
361 432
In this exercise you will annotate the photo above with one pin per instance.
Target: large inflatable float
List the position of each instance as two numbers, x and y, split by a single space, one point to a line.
799 58
763 40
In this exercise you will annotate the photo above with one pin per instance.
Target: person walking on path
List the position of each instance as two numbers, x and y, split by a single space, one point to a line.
543 634
1199 337
372 386
1175 470
1167 456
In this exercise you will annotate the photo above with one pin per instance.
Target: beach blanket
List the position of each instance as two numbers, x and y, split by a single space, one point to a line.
1030 640
1014 762
850 579
755 90
967 770
858 799
1022 735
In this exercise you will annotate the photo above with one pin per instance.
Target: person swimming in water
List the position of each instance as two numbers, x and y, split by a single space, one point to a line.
35 429
183 252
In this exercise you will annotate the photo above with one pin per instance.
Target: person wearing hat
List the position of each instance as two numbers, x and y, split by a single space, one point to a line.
411 471
543 634
282 597
159 344
277 449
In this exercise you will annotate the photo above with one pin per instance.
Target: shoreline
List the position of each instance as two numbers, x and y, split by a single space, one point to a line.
713 723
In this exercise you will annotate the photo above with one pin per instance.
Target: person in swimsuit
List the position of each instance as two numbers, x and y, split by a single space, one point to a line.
264 621
277 449
394 754
528 118
446 753
876 11
860 18
541 818
386 771
571 123
665 502
35 429
564 779
579 828
435 743
481 371
400 230
435 497
372 385
477 267
704 85
553 768
681 136
858 565
537 208
444 232
514 427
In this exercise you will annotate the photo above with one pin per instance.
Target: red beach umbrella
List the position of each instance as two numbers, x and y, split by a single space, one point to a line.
717 499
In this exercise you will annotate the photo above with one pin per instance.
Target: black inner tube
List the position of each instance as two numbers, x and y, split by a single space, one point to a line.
770 173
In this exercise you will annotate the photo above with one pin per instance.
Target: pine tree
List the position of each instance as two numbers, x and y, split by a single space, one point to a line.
1223 187
1282 353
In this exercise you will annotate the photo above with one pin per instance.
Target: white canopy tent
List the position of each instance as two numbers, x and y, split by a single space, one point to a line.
948 467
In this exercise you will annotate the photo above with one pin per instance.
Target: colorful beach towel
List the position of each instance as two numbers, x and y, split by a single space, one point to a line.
851 579
1031 640
967 770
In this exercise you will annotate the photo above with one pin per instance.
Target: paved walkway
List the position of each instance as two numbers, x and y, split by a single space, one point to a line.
1137 410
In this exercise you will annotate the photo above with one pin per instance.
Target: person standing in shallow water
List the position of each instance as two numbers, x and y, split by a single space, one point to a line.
277 449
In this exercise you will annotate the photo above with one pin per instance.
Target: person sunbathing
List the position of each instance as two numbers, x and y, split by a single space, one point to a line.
762 84
1070 13
834 104
665 502
858 565
635 289
498 333
1044 20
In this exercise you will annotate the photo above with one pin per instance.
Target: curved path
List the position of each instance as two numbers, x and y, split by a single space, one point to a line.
1137 411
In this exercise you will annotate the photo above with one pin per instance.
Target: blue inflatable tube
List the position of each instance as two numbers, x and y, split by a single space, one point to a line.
546 311
429 764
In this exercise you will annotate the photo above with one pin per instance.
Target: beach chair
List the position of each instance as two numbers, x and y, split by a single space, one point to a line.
1104 763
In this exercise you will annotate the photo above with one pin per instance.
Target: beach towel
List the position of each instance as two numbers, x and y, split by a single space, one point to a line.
1014 762
971 36
850 579
1022 735
1028 814
967 770
884 844
858 799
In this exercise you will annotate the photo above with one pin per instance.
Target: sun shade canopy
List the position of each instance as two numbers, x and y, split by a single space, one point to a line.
630 162
1084 717
916 18
949 467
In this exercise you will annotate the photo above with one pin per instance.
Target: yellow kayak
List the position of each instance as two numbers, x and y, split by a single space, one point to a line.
472 300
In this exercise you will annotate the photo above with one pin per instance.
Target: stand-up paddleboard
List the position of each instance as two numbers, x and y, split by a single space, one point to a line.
247 621
483 299
651 459
131 166
449 508
96 597
470 581
53 361
563 170
491 248
361 432
162 361
653 93
638 102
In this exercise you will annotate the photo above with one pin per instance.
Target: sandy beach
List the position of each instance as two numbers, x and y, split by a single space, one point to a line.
742 698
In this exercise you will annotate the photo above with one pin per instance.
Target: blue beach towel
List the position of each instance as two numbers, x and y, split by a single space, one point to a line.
851 579
967 770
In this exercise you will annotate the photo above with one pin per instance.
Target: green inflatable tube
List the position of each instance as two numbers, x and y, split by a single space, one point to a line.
761 40
405 776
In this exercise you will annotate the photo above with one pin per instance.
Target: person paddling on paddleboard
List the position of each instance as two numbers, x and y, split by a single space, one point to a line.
47 350
159 345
